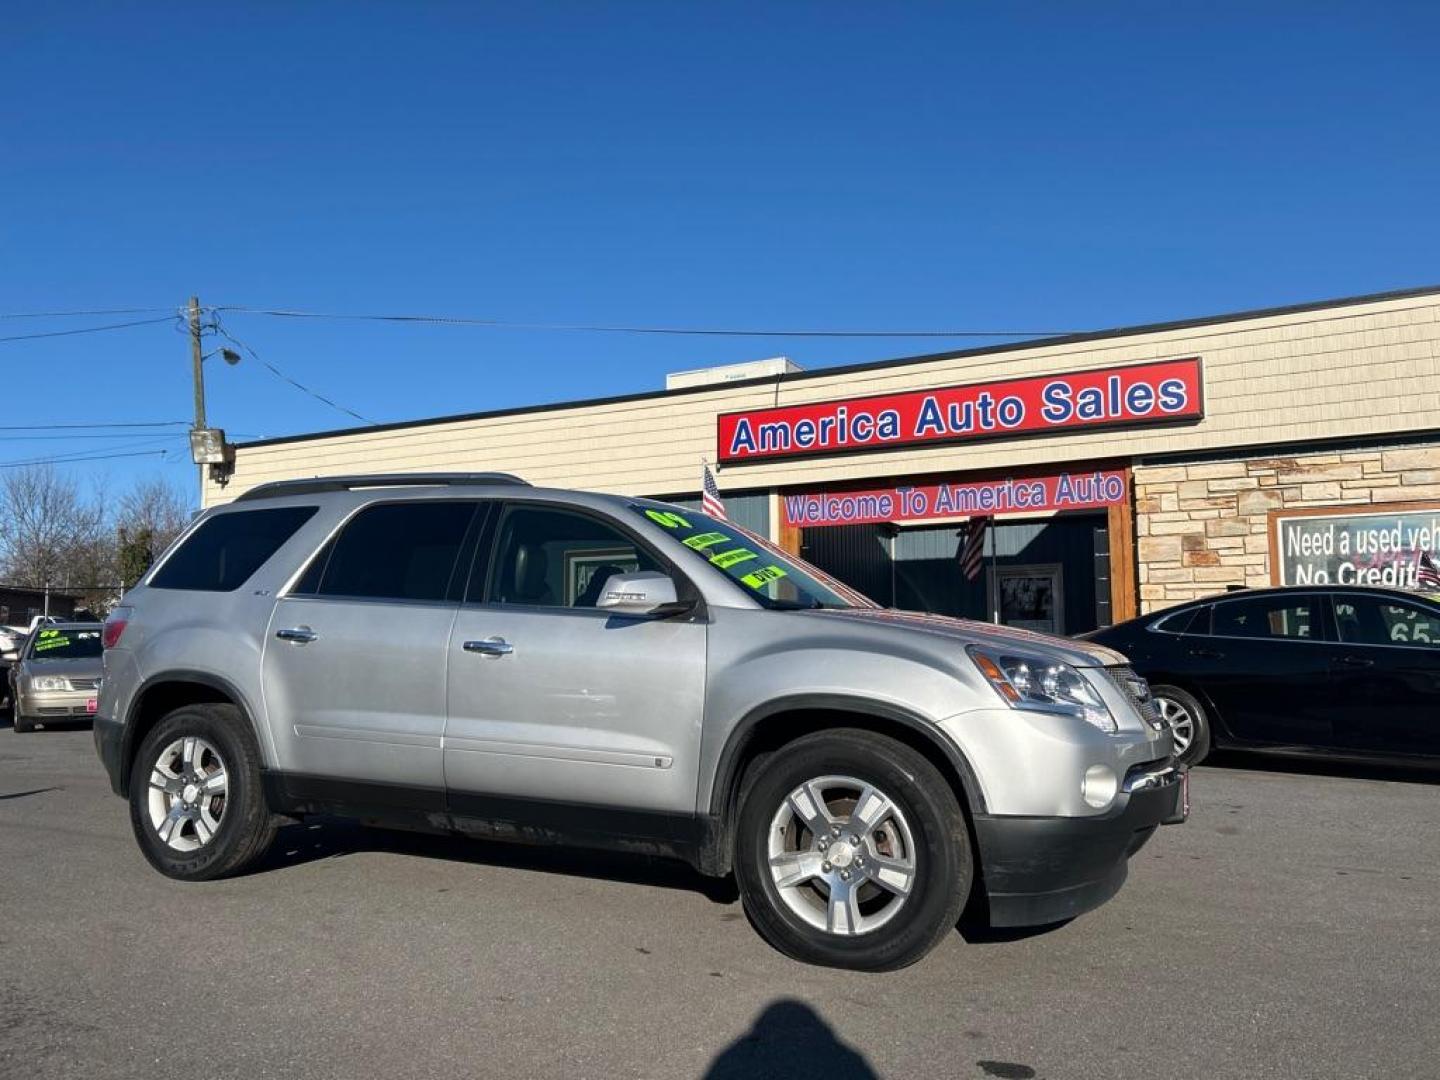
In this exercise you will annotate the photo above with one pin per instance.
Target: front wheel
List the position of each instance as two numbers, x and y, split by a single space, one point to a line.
196 804
1185 716
852 851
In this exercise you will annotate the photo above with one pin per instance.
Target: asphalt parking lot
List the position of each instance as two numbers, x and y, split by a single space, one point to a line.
1291 929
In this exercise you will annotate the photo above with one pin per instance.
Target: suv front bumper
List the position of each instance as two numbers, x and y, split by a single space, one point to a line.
1041 870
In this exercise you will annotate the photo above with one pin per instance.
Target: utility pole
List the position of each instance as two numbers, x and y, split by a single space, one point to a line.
197 361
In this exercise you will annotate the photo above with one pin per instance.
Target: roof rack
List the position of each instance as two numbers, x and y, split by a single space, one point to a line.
317 484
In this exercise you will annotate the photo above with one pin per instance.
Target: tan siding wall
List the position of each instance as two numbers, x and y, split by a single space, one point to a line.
1356 370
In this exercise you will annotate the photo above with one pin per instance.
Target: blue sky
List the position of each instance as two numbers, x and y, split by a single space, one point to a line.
1027 166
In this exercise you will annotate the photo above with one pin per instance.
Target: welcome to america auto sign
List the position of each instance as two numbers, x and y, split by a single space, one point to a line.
1163 392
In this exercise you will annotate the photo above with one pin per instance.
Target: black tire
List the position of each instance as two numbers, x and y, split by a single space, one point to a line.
22 724
1199 746
246 826
943 860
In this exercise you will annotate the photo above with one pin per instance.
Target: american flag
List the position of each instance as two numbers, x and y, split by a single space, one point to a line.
710 494
972 553
1427 576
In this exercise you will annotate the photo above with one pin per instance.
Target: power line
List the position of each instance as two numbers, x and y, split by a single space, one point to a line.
86 330
68 314
114 424
688 331
78 435
219 329
77 460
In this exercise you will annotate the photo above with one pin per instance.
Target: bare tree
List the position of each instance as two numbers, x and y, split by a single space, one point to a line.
147 518
49 532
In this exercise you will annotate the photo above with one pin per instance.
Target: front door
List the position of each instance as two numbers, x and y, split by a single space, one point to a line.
552 700
1385 678
355 658
1265 666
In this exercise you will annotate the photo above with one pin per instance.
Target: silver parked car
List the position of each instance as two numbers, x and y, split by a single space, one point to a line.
57 675
564 667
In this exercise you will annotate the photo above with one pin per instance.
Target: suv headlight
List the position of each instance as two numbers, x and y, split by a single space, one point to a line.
49 682
1040 685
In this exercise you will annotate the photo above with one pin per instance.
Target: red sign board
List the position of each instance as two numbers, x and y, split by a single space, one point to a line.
1163 392
1030 494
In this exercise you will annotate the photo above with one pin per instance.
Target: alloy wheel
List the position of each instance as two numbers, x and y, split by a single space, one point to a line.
841 855
188 788
1181 722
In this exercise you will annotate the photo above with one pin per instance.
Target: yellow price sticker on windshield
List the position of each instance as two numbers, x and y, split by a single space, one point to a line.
53 642
668 518
763 576
727 559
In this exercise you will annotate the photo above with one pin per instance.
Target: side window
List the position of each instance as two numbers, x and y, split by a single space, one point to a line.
1282 616
226 549
1369 620
556 558
1182 622
394 551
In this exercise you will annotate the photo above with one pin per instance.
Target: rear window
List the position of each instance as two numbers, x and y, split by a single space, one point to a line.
224 551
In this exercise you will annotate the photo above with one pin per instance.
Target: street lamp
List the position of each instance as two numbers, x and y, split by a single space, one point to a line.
207 444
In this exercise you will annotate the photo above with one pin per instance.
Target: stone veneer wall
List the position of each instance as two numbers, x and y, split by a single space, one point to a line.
1203 527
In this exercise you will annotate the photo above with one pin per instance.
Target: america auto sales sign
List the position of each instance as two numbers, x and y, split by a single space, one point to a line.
1154 393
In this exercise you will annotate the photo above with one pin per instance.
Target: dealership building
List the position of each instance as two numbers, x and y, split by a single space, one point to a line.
1122 471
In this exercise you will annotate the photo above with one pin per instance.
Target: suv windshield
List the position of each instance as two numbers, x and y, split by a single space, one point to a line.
66 643
772 577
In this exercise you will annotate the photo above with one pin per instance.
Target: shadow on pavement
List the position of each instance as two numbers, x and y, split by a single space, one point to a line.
1320 766
328 838
789 1039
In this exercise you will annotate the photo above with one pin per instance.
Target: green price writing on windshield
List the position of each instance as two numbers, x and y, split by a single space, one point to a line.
727 559
668 518
763 576
701 541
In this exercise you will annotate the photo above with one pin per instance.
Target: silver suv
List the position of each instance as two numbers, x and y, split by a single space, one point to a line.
468 653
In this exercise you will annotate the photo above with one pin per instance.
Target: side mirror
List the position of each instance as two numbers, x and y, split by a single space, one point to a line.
645 592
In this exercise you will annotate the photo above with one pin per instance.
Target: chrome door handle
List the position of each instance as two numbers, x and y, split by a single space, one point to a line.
298 634
494 646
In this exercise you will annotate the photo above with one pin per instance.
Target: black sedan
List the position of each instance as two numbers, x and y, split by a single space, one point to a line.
1343 672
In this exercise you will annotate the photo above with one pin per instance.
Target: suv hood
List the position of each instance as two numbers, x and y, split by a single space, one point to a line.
969 632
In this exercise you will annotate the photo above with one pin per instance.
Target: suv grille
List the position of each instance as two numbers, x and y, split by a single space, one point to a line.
1137 690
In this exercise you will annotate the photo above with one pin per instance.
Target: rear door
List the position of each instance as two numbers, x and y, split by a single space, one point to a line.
552 700
1385 675
1265 666
355 662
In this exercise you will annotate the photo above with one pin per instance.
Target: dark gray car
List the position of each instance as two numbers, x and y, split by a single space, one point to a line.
473 654
57 677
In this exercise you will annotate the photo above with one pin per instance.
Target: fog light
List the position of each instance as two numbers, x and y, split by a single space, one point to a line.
1099 786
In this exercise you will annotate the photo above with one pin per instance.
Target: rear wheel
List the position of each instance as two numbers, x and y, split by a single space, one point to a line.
196 804
1185 716
852 851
